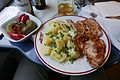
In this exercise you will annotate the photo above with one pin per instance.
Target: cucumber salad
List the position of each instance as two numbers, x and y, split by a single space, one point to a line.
19 28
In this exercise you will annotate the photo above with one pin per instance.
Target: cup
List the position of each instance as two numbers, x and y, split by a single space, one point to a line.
65 7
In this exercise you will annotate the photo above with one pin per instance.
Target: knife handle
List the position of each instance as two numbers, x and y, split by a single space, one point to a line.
113 17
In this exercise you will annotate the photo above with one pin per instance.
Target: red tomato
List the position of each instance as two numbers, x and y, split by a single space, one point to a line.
19 18
23 18
16 36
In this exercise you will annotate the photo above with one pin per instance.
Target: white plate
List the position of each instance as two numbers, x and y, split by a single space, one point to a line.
3 27
80 66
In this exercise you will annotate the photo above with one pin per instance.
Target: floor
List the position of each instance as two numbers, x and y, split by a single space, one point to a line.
113 73
8 63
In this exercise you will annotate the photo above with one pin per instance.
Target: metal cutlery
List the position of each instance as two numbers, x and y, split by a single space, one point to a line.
113 17
79 3
93 15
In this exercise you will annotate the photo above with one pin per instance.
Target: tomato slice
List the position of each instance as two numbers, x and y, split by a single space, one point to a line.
23 18
19 18
16 36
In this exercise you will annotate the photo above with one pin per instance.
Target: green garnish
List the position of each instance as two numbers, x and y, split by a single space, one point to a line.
61 34
66 26
48 33
65 51
20 25
57 37
53 45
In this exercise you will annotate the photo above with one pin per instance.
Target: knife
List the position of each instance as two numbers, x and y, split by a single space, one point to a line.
113 17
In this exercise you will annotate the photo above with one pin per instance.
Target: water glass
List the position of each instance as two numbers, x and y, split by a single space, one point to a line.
65 7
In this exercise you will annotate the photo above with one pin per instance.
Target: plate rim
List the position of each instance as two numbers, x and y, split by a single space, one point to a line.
66 72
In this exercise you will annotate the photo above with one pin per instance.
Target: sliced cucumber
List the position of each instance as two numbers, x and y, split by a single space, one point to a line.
9 26
30 25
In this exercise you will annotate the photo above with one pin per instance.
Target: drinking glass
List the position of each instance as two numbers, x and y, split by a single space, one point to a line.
65 7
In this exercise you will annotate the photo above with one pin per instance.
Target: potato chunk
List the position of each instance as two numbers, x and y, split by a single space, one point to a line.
48 41
58 57
60 44
48 50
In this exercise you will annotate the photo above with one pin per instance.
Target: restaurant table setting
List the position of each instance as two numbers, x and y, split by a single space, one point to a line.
88 11
102 10
105 13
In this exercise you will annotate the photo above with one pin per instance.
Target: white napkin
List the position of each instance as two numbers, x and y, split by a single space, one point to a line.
112 28
85 11
110 8
8 13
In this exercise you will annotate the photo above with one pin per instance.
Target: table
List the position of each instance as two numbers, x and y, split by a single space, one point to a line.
27 47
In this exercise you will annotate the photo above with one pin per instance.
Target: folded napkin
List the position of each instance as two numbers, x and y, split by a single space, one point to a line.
112 28
85 11
7 13
110 8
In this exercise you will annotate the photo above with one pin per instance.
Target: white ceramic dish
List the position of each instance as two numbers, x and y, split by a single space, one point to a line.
79 66
33 18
